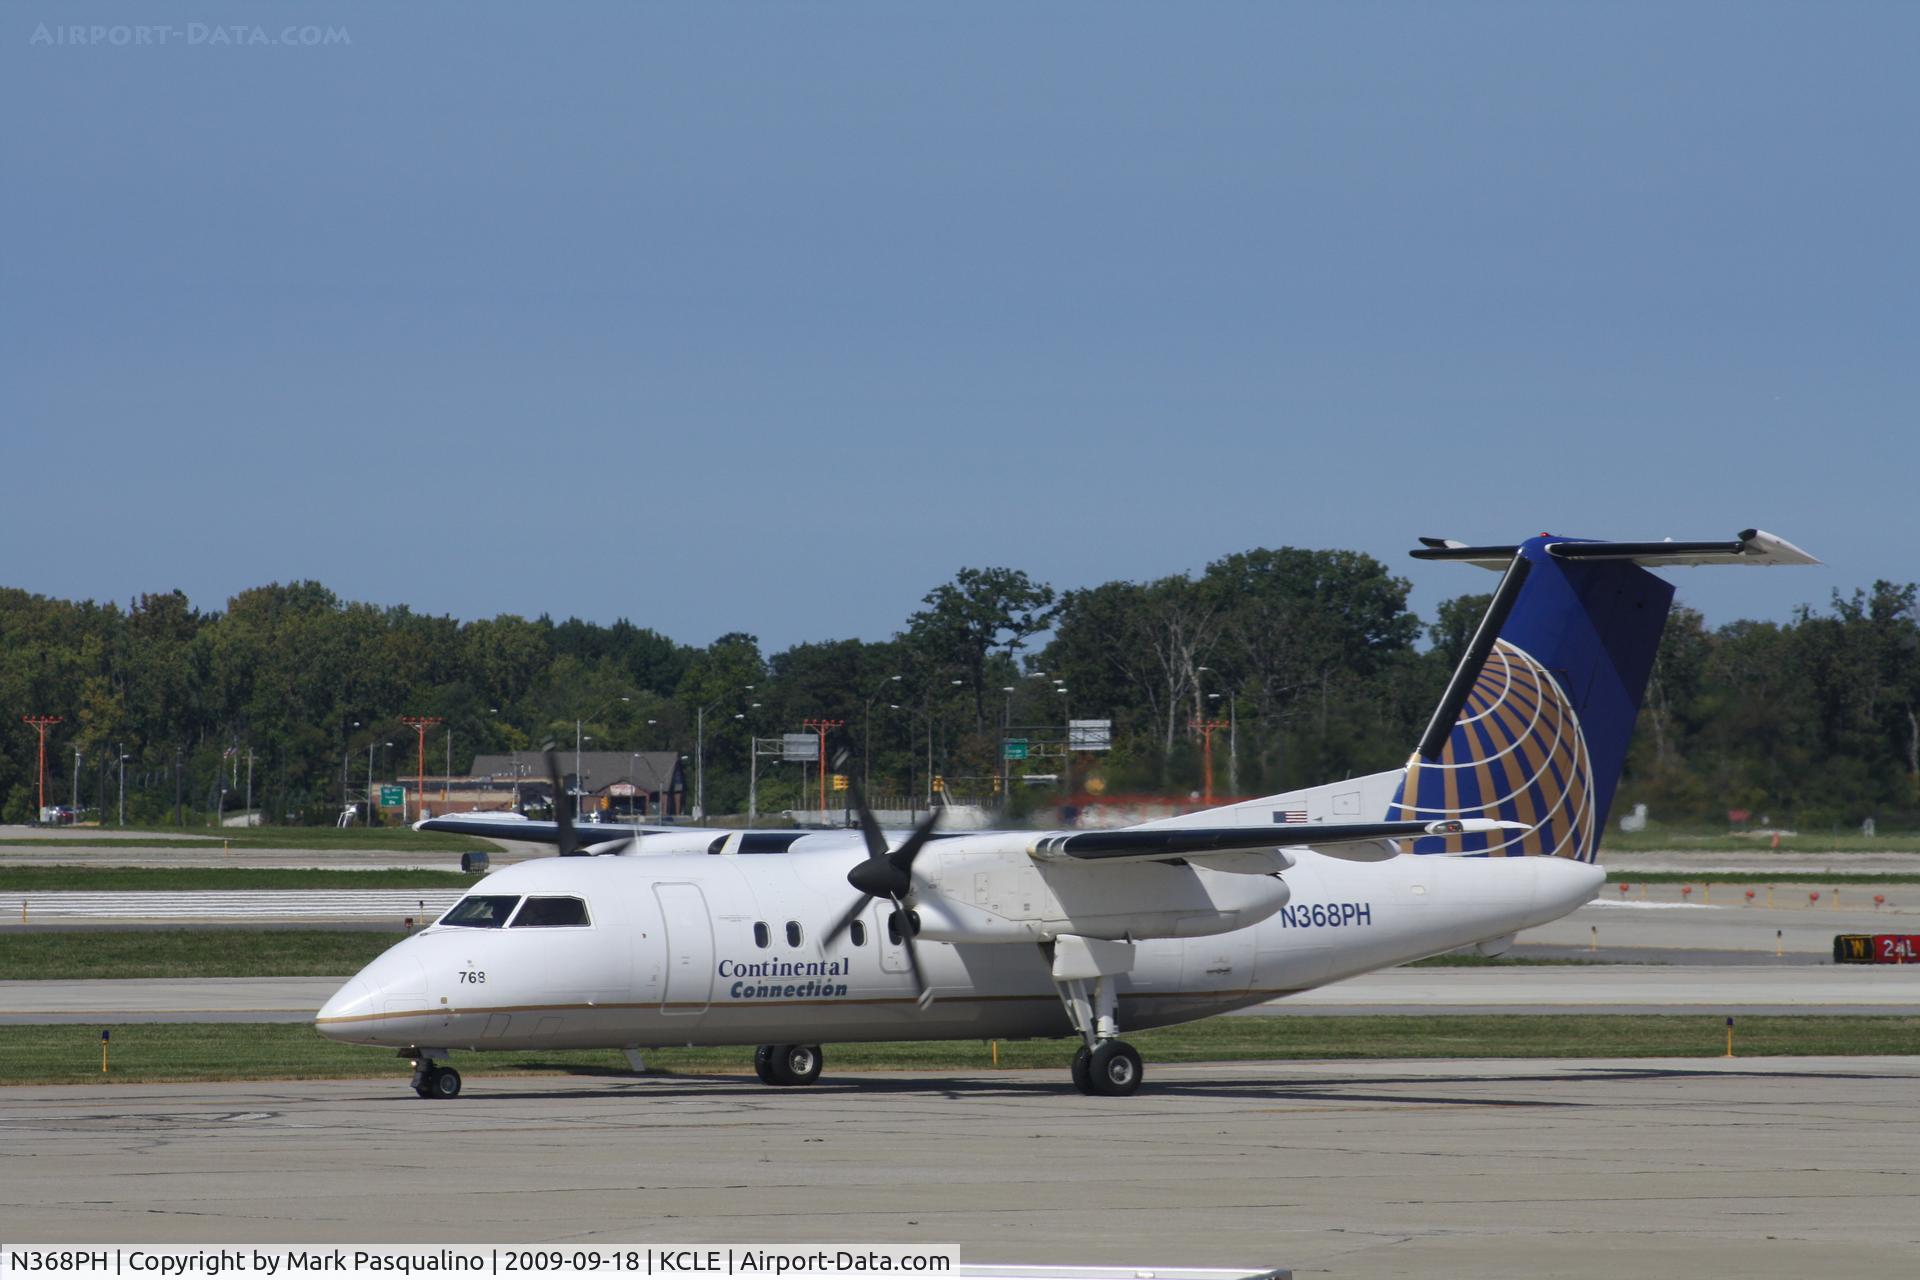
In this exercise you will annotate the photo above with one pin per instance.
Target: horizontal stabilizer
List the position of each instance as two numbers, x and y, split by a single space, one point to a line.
1753 546
1157 845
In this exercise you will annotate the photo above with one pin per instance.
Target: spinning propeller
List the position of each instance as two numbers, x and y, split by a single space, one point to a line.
569 842
885 873
569 834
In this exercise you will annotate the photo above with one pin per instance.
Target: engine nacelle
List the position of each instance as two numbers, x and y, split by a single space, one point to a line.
944 920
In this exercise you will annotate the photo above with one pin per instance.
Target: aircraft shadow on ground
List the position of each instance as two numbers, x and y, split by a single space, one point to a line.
624 1086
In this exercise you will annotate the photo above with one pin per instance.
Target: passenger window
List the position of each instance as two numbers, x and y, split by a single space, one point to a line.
793 933
480 911
552 913
857 934
761 937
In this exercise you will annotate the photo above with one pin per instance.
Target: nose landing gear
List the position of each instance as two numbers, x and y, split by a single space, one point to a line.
430 1078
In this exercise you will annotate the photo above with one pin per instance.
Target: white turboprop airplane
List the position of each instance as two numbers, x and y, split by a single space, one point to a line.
697 937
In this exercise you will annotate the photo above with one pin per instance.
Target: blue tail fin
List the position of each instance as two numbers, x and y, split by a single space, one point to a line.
1534 728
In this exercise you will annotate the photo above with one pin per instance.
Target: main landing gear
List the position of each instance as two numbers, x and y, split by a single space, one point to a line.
787 1064
430 1078
1085 971
1111 1068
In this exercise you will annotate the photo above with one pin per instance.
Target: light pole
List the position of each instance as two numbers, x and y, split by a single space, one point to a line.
700 758
753 768
346 749
370 747
76 784
866 746
578 784
907 742
700 761
753 764
1066 755
123 783
1006 766
930 739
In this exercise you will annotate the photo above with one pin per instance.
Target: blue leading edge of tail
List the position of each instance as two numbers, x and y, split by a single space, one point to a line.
1541 736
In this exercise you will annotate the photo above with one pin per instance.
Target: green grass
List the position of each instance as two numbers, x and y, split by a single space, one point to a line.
16 879
190 953
1658 840
1471 960
266 1051
380 839
1755 877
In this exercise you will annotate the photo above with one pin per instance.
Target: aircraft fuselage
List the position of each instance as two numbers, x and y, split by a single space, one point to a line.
673 954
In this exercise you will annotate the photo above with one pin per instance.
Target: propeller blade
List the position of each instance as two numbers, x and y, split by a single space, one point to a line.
925 994
846 921
562 809
910 848
869 825
884 873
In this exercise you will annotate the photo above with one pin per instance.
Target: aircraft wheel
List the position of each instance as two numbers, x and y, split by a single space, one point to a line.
1114 1069
1081 1080
420 1088
763 1063
797 1063
443 1082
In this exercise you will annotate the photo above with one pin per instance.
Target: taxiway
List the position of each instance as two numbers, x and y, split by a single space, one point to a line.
1765 1168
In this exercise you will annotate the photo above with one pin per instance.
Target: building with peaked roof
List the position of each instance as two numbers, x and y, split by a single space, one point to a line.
619 784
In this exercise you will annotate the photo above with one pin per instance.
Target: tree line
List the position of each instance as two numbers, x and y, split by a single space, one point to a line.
1308 662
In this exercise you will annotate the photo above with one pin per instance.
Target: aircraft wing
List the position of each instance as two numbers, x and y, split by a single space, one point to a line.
590 833
1360 841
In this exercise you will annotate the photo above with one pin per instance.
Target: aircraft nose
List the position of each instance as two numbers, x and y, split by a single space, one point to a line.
374 1004
348 1007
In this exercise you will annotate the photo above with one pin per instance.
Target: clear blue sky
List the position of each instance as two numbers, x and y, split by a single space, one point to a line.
772 316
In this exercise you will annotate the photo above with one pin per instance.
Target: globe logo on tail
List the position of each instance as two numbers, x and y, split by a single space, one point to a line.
1516 753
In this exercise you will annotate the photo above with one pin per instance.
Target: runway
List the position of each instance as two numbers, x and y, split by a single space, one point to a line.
1772 1168
1716 989
244 905
129 1000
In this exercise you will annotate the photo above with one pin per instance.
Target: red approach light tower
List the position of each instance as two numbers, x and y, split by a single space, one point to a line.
420 725
1206 728
42 723
822 727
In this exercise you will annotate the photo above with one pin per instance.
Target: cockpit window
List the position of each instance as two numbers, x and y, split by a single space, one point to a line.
551 913
770 841
481 911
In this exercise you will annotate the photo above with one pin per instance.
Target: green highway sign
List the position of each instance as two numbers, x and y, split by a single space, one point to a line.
1015 748
392 797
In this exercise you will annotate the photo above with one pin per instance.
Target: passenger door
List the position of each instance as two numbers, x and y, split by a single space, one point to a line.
688 930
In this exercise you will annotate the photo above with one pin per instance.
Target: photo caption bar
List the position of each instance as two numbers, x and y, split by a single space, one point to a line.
441 1262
